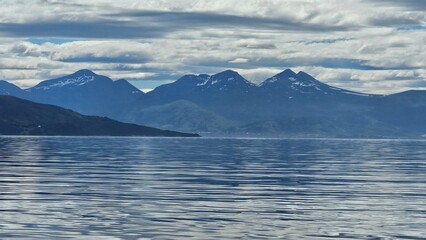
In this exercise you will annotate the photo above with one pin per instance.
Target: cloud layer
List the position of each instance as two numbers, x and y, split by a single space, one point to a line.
371 46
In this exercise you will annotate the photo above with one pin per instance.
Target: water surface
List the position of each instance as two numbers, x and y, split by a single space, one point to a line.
158 188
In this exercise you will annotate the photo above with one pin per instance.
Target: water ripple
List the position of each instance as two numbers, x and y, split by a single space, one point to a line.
158 188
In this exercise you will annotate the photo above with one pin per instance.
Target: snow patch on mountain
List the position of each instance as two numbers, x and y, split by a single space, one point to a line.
214 80
77 81
273 79
205 79
305 84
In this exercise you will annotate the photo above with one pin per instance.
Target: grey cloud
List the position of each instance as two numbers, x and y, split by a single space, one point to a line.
207 19
110 29
415 78
392 21
337 63
235 34
62 3
16 68
142 58
259 46
327 41
417 84
24 50
126 67
153 24
417 5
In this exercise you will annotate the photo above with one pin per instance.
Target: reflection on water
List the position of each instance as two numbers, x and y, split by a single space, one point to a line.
156 188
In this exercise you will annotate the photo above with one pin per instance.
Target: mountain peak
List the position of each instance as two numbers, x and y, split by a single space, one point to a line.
227 73
225 80
305 76
123 84
6 83
286 75
84 72
204 76
228 78
79 78
287 72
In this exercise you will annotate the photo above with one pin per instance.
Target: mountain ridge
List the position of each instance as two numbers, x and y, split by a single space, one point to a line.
226 103
23 117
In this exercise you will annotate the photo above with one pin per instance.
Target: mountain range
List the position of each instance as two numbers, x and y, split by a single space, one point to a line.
226 104
23 117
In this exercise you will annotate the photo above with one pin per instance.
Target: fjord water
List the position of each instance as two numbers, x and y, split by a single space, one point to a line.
159 188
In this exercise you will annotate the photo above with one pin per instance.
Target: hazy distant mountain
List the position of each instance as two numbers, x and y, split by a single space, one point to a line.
405 110
287 104
181 115
22 117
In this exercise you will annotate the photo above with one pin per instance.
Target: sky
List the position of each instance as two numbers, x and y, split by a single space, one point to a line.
372 46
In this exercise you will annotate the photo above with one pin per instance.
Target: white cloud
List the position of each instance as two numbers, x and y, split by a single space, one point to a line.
239 60
362 46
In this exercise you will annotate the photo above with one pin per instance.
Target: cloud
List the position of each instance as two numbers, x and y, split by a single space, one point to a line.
371 46
106 29
398 19
326 41
239 60
124 58
207 19
332 63
154 24
258 45
415 5
99 52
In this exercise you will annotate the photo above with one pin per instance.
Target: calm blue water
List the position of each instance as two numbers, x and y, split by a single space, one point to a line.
157 188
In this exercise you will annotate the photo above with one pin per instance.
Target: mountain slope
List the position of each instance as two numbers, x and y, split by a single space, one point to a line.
10 89
22 117
405 109
180 115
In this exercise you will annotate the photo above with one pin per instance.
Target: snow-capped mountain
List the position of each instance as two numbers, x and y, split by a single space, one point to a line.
74 80
85 92
286 104
290 83
83 79
220 89
225 81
